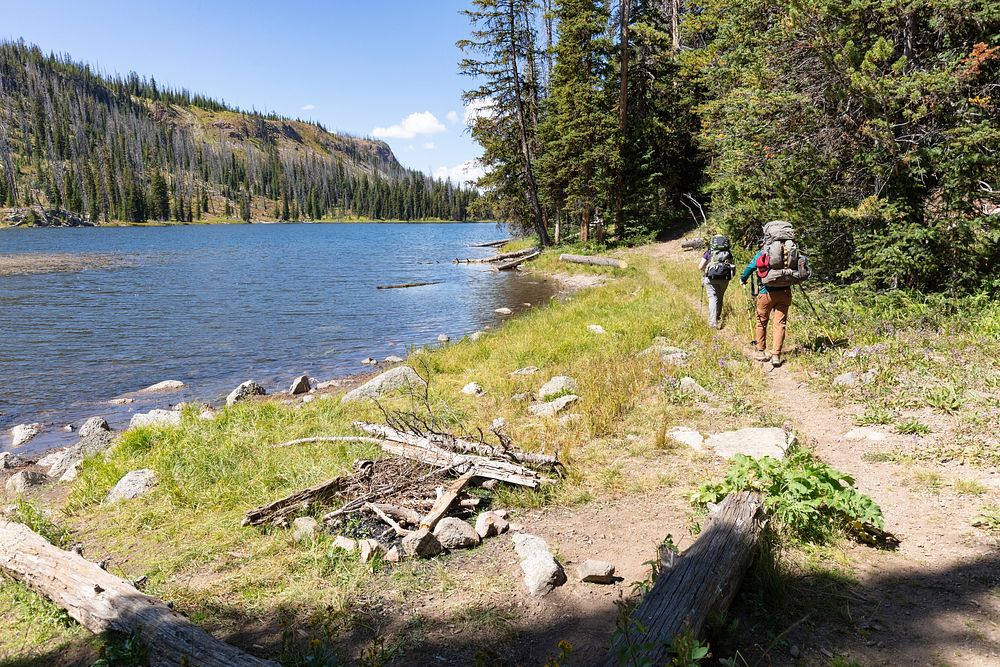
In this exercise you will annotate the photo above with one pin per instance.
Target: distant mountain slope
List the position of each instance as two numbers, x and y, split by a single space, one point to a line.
113 148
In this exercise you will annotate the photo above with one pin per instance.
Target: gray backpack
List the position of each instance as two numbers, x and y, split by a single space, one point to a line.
782 264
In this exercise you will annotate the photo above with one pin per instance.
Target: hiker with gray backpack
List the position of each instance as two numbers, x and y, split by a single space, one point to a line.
777 267
717 269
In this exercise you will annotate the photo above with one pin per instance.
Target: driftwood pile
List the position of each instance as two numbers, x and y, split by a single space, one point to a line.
506 260
411 489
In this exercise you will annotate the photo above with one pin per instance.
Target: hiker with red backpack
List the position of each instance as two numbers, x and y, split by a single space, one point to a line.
778 265
718 269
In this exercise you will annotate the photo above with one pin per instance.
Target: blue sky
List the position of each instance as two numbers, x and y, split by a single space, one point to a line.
382 67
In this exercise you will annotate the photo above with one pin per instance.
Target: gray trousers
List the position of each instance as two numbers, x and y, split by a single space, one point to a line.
716 290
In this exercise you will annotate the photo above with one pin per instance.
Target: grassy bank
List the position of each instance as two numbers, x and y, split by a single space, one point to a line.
186 538
305 602
925 366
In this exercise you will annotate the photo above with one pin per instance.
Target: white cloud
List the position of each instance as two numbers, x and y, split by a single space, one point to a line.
467 172
308 107
452 117
422 123
429 146
476 109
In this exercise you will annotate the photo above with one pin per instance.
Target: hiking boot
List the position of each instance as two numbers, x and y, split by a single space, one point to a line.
776 360
761 355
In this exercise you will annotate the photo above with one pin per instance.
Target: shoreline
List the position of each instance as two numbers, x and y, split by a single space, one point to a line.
224 221
143 400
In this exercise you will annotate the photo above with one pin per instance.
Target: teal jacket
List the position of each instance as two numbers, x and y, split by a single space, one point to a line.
751 268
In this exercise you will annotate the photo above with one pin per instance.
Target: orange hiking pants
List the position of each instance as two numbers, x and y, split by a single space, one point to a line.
776 303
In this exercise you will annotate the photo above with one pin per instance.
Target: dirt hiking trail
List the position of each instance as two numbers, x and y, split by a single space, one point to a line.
933 601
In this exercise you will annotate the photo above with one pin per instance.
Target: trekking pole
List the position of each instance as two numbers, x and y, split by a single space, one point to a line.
819 319
751 312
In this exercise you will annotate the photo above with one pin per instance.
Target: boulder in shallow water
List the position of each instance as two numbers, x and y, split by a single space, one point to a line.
394 379
504 311
133 485
301 385
22 433
246 390
166 385
393 359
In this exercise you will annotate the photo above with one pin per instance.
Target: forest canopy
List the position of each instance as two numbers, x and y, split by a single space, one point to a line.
128 149
872 125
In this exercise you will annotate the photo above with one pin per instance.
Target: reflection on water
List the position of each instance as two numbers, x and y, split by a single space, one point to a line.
216 305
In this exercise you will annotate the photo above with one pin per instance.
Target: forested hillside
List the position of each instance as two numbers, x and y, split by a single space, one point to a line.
871 125
125 149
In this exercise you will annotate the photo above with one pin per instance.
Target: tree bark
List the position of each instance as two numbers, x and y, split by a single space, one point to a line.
102 602
625 10
529 172
701 582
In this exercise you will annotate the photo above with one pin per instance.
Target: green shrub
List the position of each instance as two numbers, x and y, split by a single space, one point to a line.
804 496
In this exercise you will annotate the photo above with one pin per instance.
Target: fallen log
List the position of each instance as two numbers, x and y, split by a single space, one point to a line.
596 261
327 438
405 285
101 602
443 503
693 244
296 503
491 244
359 503
459 445
498 258
702 581
463 463
514 263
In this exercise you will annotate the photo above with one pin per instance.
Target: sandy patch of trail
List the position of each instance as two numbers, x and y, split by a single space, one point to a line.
935 600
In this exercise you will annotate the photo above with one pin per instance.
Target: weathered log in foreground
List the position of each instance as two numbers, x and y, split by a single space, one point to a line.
596 261
102 602
702 581
694 244
514 263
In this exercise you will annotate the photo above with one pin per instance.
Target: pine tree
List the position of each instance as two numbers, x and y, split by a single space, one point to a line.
159 197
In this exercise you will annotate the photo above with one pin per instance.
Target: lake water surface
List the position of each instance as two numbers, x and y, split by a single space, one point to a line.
216 305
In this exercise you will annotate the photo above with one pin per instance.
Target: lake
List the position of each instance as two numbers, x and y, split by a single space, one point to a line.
117 309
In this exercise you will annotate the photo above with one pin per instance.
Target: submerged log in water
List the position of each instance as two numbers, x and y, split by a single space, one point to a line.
405 285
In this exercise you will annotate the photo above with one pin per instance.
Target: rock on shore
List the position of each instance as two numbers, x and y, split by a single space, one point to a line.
394 379
246 390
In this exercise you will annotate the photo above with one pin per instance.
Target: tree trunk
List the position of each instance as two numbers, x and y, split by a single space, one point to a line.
102 602
701 582
625 9
675 24
558 228
585 225
529 173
